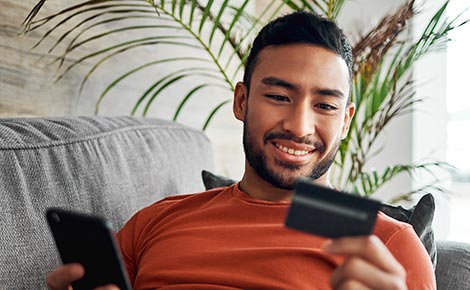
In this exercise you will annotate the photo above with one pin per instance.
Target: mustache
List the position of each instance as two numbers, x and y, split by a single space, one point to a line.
307 140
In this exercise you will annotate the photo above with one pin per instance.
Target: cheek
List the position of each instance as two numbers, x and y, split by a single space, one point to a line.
261 119
330 131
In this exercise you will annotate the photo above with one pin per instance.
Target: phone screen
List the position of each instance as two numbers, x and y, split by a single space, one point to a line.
88 240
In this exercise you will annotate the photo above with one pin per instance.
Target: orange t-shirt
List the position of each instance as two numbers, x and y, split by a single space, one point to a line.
224 239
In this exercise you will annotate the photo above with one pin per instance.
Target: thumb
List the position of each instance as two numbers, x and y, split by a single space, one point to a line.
62 277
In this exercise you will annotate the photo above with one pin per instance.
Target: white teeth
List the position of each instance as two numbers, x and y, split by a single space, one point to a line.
292 151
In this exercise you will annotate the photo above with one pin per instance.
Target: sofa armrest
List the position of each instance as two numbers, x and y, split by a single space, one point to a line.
453 265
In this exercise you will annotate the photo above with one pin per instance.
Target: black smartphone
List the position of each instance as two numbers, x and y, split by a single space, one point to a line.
88 240
330 213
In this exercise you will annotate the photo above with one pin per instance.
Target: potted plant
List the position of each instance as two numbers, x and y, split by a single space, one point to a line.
216 36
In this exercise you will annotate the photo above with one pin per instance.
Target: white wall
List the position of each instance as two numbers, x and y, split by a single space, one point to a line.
430 116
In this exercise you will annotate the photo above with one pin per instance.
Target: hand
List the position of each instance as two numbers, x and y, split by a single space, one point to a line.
368 265
62 278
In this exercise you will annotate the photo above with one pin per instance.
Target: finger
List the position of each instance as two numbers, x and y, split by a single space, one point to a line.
351 285
360 271
369 248
62 277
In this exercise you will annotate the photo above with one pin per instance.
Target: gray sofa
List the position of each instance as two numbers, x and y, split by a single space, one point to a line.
111 166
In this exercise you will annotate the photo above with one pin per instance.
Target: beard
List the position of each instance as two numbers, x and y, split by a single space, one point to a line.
257 159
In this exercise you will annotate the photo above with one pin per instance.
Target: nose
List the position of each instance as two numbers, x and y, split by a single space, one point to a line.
300 120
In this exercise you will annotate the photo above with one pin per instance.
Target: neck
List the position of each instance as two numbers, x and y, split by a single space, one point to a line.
258 188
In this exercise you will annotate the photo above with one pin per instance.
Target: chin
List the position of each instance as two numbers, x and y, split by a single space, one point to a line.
282 180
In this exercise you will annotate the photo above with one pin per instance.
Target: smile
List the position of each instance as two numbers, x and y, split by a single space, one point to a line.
292 151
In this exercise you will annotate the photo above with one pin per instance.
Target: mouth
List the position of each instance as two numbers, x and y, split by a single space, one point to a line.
292 151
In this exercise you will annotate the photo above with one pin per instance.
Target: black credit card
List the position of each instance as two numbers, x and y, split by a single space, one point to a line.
329 213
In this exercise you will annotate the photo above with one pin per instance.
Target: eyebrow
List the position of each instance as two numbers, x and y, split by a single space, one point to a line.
330 92
273 81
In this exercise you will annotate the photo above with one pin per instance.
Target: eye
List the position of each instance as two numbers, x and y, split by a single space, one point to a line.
326 107
278 98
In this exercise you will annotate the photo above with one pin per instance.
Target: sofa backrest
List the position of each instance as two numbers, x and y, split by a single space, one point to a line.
110 166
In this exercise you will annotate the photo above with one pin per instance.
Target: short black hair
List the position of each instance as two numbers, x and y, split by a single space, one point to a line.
300 27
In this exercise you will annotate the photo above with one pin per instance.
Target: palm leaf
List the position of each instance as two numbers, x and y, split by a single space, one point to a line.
329 8
190 94
76 14
173 11
243 54
74 46
94 25
31 15
216 22
227 34
213 112
199 71
186 72
115 82
373 180
123 47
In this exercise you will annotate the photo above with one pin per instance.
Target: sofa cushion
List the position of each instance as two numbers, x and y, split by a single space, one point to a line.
110 166
420 216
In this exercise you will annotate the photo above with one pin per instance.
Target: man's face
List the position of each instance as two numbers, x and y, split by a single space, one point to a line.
296 113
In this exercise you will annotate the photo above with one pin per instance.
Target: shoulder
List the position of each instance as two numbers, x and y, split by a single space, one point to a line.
188 199
178 204
406 247
162 210
387 227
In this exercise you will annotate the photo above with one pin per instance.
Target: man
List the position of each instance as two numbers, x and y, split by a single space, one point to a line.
294 103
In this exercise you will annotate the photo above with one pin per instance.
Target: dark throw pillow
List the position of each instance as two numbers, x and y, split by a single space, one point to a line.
419 216
211 180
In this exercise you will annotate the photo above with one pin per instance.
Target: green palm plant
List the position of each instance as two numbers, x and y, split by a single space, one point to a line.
383 90
216 36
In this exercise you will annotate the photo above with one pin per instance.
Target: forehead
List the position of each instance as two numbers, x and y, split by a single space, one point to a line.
303 64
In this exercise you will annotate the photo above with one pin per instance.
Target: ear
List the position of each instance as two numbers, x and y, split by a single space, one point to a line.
348 115
240 98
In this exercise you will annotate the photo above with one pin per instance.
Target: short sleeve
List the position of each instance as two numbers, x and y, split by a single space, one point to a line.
407 248
125 238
